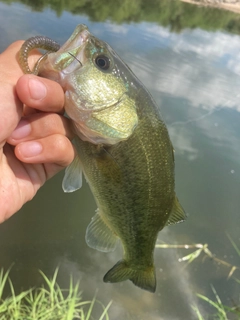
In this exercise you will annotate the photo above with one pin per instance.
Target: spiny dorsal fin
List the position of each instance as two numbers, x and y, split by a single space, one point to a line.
177 214
99 236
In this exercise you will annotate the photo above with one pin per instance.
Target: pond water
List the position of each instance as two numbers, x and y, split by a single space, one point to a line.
189 59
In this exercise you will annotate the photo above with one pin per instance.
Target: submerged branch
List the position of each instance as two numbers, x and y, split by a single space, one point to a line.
195 254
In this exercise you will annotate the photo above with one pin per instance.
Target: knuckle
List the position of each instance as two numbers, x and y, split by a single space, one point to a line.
62 150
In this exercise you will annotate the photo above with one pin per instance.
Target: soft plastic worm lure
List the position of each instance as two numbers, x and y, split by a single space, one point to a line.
38 42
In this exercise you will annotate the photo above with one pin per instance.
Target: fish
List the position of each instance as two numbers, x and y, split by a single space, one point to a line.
123 148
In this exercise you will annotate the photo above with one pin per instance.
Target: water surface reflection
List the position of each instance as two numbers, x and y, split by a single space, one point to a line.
194 77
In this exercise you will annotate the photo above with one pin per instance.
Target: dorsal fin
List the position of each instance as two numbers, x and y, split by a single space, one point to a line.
177 214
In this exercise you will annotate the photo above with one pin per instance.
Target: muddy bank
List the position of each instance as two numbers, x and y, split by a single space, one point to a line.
231 5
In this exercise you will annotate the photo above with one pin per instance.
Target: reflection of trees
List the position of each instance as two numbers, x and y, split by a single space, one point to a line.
176 14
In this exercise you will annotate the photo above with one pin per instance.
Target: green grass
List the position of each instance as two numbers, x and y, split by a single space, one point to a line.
222 312
49 302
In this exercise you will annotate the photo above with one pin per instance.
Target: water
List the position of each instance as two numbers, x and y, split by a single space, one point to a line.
190 63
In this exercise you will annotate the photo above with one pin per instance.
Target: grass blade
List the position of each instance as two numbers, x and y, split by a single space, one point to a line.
233 244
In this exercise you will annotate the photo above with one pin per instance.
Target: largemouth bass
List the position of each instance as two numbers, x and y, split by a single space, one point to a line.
123 148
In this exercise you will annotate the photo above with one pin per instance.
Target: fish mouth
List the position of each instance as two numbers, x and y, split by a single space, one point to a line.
78 38
70 56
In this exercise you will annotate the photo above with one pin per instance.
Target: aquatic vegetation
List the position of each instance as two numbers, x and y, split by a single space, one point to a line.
202 248
221 311
49 302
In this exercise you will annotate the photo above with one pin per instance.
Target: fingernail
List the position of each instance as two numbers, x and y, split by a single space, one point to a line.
30 149
22 130
37 89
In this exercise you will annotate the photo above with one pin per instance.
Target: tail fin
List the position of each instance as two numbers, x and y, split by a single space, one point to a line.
143 278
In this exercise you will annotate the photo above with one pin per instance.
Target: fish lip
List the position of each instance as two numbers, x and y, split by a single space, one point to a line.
77 39
74 48
80 39
84 36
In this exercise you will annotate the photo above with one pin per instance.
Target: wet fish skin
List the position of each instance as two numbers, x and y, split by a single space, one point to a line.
133 184
125 153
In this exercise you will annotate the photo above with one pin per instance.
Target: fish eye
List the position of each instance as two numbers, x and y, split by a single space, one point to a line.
102 62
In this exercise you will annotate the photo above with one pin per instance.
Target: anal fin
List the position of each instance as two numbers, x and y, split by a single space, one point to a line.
99 236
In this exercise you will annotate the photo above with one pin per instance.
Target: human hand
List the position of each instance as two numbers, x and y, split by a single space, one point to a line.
34 140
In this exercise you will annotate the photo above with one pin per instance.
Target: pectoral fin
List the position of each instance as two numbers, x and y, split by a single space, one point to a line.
73 176
177 214
99 236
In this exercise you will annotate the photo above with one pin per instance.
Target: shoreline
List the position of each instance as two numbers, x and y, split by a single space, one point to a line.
234 7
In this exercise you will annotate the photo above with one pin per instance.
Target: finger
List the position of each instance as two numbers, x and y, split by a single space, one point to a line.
10 106
40 93
10 110
55 149
41 125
